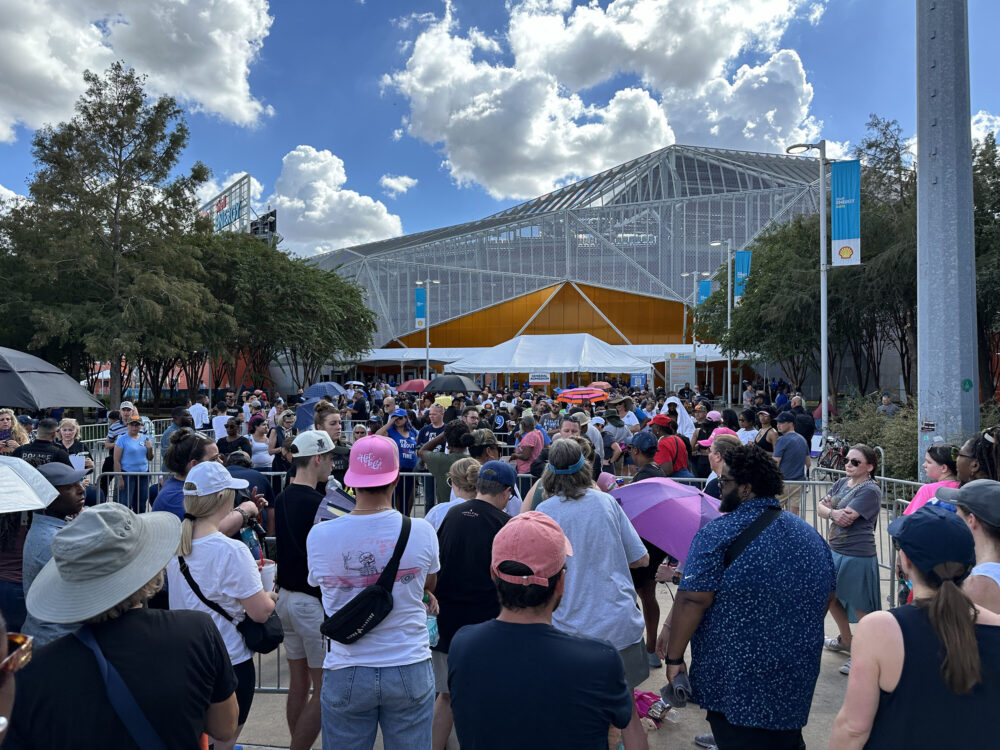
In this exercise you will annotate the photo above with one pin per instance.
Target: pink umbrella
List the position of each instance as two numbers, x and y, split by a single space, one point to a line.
413 386
667 513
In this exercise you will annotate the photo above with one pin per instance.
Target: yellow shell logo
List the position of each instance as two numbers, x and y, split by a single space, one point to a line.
846 252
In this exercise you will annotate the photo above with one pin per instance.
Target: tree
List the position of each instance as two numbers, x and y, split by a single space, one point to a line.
986 198
104 229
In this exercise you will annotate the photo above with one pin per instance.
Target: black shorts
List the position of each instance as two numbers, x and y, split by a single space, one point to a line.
647 573
246 681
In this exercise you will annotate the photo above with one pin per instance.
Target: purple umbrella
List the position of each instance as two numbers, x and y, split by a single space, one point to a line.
667 513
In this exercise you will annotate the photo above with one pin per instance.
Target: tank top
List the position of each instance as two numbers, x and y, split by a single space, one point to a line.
762 442
990 570
260 458
948 720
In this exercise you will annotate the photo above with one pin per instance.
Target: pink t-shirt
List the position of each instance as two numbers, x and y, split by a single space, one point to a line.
925 494
535 441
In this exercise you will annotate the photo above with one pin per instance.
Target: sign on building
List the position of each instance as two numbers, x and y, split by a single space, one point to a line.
230 210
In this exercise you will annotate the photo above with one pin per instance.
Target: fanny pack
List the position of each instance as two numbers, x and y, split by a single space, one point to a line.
373 604
260 637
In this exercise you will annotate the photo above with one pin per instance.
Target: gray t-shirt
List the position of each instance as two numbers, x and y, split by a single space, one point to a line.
599 601
792 449
858 539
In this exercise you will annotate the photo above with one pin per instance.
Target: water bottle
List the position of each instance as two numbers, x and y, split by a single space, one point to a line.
432 630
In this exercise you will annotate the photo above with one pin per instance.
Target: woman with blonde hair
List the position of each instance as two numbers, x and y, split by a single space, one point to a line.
224 571
12 433
462 477
68 436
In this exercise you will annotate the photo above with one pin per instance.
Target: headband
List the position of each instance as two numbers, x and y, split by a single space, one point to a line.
572 469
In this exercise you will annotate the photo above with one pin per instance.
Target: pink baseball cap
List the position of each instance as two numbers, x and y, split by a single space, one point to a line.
374 462
714 416
534 540
715 433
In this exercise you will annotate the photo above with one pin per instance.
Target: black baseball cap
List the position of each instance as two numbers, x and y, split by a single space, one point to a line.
932 536
981 497
785 416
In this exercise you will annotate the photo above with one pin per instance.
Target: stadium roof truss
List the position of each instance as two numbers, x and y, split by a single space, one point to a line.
636 227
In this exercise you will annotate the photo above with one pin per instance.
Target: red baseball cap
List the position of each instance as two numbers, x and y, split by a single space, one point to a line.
534 540
662 419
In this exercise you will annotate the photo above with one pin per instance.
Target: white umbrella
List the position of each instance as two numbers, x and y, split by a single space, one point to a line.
22 487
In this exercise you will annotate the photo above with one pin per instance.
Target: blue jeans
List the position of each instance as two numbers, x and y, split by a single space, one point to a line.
12 605
135 494
357 700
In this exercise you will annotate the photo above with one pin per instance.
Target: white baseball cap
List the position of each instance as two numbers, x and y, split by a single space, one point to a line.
210 477
312 443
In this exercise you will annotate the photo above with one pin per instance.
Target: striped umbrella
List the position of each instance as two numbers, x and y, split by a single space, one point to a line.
582 396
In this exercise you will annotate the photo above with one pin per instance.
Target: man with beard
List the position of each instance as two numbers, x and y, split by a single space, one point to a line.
752 601
583 690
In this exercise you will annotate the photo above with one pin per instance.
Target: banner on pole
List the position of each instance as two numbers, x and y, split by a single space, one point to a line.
420 306
741 264
845 189
704 290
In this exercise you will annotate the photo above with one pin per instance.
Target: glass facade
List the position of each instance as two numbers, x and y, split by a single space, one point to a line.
634 228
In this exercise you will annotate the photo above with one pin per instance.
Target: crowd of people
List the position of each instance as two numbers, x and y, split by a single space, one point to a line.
518 577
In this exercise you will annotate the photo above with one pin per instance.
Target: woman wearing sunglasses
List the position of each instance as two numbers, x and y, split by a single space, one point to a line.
852 507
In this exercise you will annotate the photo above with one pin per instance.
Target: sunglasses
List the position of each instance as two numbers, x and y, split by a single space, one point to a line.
854 462
19 648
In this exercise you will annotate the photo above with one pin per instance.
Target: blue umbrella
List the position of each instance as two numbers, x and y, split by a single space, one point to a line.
304 414
327 388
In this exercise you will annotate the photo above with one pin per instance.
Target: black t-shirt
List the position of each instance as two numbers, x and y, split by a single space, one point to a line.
341 462
582 692
40 452
648 471
294 512
712 488
226 447
427 433
174 663
465 586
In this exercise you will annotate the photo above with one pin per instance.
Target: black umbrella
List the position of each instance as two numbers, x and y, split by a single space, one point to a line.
27 382
451 384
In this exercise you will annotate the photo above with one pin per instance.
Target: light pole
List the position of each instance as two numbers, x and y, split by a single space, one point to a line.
426 284
729 314
824 404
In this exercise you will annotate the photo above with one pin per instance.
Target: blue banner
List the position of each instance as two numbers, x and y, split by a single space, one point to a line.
638 380
845 202
704 290
420 306
741 269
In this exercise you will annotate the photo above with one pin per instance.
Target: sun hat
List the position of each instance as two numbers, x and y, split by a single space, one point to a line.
100 559
581 418
714 416
611 417
59 474
126 405
981 497
374 462
534 540
715 433
499 471
312 443
22 486
210 477
933 535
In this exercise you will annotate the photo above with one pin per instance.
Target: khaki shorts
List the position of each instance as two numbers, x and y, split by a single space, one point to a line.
439 661
791 496
301 617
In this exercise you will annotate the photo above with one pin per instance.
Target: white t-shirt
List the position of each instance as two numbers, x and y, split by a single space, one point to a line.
599 601
630 419
435 516
225 572
346 555
746 436
199 414
219 425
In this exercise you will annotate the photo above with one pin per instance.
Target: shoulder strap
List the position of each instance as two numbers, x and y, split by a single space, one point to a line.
194 587
388 576
748 534
121 697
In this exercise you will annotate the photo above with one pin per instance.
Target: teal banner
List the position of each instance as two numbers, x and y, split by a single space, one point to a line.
845 202
704 290
741 268
420 305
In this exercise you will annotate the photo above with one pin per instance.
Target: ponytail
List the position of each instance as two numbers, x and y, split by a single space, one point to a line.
200 506
953 618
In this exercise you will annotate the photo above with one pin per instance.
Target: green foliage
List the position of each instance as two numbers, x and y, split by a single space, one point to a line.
861 424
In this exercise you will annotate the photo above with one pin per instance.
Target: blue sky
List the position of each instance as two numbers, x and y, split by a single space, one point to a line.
331 106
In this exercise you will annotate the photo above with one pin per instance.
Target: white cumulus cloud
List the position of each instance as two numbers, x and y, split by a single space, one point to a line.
524 124
394 185
211 188
198 51
984 122
316 213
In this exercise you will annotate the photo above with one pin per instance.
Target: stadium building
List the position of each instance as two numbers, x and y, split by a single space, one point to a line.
615 255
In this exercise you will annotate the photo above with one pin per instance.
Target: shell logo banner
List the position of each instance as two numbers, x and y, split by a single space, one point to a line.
845 204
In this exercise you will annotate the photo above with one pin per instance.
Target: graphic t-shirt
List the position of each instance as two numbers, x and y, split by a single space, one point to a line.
225 572
40 452
346 555
407 446
465 588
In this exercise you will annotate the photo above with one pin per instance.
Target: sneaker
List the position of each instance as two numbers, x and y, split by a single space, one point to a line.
836 644
705 740
846 669
654 660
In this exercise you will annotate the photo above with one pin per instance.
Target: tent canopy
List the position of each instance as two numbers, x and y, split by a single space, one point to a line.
567 352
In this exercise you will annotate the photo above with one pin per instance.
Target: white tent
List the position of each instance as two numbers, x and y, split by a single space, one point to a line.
567 352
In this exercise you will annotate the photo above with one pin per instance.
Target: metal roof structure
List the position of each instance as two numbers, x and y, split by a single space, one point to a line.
636 227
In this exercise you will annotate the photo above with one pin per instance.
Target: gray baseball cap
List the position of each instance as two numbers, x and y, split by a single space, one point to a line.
981 497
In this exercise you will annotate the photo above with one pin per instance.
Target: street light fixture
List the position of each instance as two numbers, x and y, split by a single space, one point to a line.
729 313
426 284
801 148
